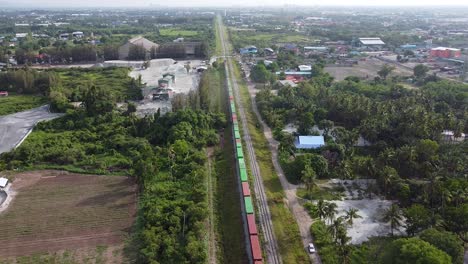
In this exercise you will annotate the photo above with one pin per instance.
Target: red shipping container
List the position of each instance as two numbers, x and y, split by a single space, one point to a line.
245 189
257 262
252 225
256 250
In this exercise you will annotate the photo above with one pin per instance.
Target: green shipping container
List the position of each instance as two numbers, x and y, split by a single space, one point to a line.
237 134
238 144
236 127
243 175
240 153
241 163
248 205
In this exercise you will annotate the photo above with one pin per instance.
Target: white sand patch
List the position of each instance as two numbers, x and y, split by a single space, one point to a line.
371 210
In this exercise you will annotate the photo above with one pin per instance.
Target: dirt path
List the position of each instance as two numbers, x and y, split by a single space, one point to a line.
212 258
302 217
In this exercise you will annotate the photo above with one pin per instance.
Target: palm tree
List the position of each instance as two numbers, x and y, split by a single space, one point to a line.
322 209
393 215
459 196
351 214
335 227
331 211
343 247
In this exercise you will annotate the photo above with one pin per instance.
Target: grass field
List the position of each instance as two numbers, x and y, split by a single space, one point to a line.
65 216
174 32
17 103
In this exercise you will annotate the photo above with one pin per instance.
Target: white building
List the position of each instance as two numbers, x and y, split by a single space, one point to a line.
3 182
21 35
78 34
305 68
371 43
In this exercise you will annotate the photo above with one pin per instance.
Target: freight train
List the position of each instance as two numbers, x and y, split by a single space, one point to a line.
256 256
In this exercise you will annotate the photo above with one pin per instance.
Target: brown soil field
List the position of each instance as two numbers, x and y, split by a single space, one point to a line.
368 68
55 212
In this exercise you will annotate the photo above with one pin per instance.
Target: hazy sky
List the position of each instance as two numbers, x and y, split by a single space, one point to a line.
141 3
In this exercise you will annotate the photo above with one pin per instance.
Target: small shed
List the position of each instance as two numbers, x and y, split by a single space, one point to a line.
309 142
3 182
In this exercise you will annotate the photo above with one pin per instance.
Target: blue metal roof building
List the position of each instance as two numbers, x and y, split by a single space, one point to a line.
309 142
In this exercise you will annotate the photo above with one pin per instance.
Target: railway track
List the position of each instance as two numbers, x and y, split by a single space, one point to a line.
263 213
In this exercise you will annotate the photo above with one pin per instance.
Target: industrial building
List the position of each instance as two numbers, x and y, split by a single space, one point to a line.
136 41
370 43
443 52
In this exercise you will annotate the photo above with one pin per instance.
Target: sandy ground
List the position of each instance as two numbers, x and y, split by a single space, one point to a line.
365 69
184 81
14 127
371 211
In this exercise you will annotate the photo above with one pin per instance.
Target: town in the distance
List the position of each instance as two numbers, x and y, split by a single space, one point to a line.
265 133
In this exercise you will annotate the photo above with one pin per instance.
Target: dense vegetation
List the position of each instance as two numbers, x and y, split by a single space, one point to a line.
405 151
18 103
62 86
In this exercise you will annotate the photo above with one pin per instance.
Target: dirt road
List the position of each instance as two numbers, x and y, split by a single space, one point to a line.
302 217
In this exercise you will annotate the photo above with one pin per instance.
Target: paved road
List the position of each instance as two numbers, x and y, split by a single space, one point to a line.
263 212
14 127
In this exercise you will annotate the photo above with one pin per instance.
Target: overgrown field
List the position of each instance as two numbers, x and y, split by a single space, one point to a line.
115 80
54 211
17 103
263 40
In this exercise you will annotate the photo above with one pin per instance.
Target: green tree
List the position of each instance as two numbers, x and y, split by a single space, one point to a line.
445 241
97 101
260 74
417 217
308 177
420 71
385 71
393 216
413 250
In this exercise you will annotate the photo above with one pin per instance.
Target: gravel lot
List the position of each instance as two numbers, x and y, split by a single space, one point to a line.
14 127
184 82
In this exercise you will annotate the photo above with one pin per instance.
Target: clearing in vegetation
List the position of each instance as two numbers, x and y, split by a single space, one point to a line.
55 212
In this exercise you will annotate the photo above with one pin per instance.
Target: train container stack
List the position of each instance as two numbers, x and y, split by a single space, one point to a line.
255 249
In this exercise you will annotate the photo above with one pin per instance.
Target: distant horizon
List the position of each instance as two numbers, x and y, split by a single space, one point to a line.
91 4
